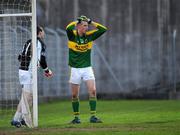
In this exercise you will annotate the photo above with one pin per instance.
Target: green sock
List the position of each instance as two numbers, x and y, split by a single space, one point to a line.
75 106
92 104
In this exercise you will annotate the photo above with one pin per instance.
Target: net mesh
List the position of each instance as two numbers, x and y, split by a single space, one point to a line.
15 31
15 6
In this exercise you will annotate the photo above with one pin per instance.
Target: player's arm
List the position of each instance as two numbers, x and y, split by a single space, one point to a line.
42 61
43 64
100 29
69 30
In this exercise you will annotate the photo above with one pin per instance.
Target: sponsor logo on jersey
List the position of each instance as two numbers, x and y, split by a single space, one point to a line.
82 48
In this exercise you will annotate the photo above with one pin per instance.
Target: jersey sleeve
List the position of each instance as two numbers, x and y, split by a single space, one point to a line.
94 34
39 48
69 30
41 56
43 62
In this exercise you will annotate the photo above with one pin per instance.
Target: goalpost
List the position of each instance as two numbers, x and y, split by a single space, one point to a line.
34 64
26 11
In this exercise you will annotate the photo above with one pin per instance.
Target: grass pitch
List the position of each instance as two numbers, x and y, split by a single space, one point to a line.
123 117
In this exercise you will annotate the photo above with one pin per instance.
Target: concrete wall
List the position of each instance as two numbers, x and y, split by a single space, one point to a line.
135 58
138 45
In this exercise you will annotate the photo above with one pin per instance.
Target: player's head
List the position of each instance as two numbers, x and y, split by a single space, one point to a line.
82 25
40 32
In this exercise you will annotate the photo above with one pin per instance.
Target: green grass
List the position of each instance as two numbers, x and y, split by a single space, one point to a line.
133 117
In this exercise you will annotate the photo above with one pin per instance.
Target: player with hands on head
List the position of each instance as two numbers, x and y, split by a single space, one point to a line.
80 44
23 112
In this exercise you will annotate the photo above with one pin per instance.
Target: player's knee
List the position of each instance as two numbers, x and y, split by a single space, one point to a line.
93 92
74 96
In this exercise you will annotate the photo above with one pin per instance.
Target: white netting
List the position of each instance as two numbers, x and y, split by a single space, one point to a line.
15 6
14 32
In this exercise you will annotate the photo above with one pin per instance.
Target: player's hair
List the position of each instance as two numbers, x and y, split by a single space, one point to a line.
39 29
82 18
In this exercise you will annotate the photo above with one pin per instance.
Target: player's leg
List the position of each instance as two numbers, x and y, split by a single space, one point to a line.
23 113
92 101
26 104
16 121
18 115
75 102
92 95
91 86
75 80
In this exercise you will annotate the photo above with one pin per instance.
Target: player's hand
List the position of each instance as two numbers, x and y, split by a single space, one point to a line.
89 20
48 73
79 20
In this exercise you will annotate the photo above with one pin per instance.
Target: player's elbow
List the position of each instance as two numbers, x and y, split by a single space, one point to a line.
104 29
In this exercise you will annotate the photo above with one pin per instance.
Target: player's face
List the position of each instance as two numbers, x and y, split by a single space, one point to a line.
42 34
83 27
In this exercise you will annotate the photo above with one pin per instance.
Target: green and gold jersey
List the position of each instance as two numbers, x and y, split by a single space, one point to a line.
80 47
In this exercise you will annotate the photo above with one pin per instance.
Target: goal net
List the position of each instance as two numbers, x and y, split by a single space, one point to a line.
17 18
